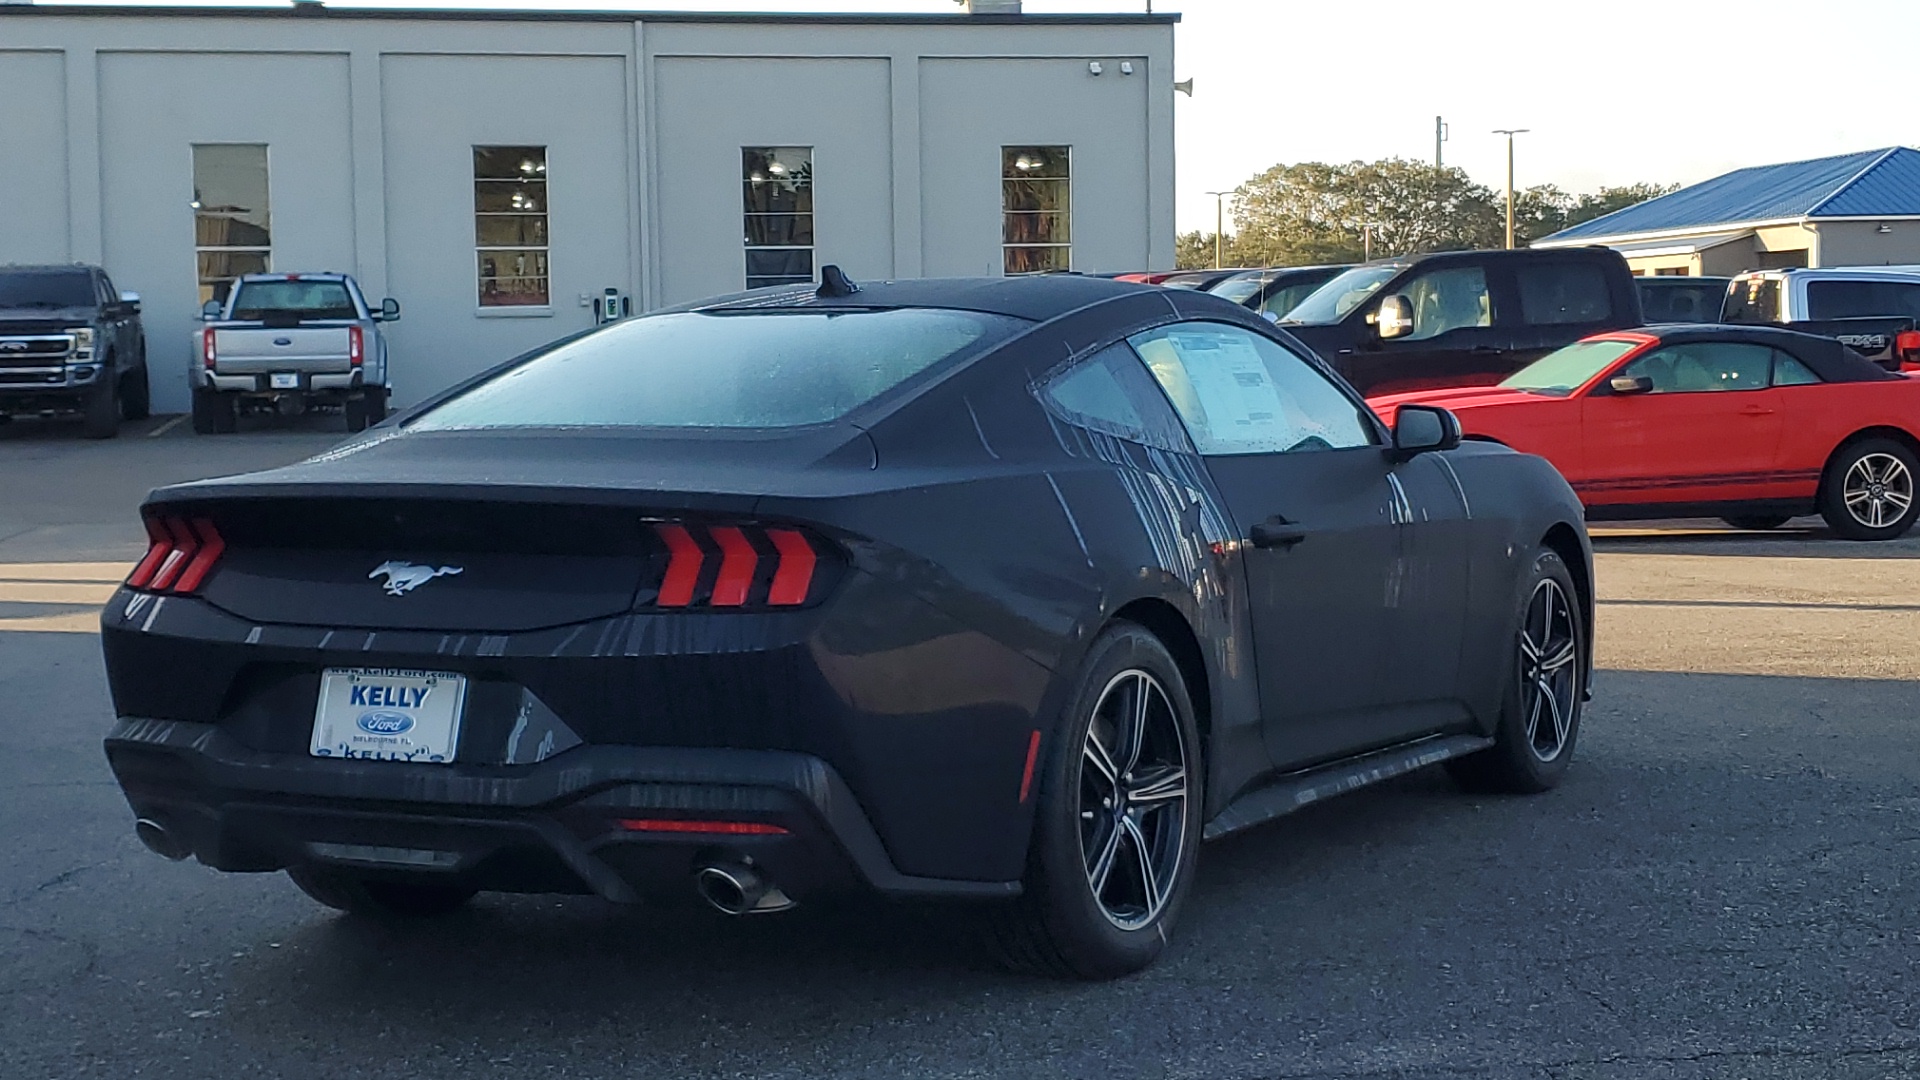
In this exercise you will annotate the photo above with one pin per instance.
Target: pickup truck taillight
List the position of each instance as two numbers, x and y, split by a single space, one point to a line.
356 346
206 347
1906 347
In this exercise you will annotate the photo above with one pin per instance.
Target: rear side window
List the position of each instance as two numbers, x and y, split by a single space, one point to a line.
258 300
1558 293
759 369
1862 299
1240 393
1788 371
1704 367
1752 300
1111 392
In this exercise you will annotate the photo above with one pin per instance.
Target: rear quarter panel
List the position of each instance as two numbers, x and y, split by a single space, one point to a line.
1823 416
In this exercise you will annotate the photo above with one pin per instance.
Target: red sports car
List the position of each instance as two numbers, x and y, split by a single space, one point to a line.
1751 424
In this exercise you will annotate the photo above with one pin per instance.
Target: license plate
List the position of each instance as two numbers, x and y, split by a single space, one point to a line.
284 380
382 714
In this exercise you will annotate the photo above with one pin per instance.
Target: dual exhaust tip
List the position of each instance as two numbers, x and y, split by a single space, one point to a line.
161 840
734 888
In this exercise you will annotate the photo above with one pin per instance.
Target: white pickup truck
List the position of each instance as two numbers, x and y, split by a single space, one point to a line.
289 344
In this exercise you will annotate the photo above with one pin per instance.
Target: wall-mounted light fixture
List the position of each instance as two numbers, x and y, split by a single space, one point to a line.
1093 67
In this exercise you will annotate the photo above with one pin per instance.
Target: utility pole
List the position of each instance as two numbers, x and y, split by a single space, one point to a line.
1510 133
1219 223
1439 136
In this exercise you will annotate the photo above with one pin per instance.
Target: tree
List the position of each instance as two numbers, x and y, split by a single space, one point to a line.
1609 199
1319 213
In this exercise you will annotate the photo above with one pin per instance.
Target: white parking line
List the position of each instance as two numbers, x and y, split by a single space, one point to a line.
166 427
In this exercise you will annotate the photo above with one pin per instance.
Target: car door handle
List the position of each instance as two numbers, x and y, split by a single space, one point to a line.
1486 350
1277 532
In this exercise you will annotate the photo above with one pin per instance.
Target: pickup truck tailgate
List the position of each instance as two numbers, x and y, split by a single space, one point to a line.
309 347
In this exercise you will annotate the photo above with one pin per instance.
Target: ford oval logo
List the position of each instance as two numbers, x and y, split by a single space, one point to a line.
283 341
380 722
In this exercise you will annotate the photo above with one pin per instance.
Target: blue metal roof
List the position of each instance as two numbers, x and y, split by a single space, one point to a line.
1873 183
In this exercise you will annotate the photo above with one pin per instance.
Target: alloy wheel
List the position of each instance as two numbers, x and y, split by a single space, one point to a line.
1549 670
1877 490
1133 799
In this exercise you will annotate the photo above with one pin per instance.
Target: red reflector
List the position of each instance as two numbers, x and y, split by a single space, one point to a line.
1026 775
160 544
683 567
210 548
185 545
724 828
736 566
795 576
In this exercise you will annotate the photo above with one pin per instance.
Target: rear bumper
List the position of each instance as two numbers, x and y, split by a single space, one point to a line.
310 382
554 826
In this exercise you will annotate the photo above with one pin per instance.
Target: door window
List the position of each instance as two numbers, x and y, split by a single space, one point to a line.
1241 393
1862 299
1704 367
1453 298
1554 294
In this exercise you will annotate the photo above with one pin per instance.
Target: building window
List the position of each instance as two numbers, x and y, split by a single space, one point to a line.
510 225
777 194
231 230
1036 192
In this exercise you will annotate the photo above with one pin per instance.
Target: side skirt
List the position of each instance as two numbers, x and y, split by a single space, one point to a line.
1294 790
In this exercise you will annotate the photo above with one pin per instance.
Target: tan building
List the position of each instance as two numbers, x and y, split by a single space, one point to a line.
1853 210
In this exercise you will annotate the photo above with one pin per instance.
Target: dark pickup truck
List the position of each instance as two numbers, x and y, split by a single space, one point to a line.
1462 318
71 344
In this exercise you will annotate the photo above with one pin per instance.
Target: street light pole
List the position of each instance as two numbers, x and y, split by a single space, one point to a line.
1219 223
1510 133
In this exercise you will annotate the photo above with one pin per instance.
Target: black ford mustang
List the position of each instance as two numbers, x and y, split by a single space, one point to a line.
1001 590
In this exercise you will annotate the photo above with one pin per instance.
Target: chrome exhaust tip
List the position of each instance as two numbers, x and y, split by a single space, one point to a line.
738 889
160 840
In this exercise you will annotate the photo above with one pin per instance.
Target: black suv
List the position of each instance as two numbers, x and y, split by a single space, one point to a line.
1462 318
71 344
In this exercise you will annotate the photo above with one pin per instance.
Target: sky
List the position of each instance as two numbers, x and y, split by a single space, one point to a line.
1673 91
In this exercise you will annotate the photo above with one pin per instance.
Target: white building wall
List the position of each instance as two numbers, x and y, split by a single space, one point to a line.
370 123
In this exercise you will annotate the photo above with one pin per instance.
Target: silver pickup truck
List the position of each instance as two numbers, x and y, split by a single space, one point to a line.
289 344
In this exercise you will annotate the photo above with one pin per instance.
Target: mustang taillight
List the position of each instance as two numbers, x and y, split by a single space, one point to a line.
737 566
181 552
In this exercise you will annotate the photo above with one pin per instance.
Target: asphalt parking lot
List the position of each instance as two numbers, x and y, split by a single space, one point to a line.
1725 886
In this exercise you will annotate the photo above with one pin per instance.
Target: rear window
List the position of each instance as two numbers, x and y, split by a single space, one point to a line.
1862 299
762 369
1752 300
1238 289
1553 294
259 300
1664 300
60 289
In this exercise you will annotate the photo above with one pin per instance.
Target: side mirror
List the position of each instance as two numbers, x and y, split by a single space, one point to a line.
1420 428
210 310
131 299
1630 384
389 309
1395 318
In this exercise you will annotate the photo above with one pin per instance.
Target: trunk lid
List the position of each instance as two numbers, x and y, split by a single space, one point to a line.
255 348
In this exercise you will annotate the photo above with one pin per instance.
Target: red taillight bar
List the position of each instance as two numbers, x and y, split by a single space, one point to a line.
737 560
795 576
683 825
180 554
683 566
160 545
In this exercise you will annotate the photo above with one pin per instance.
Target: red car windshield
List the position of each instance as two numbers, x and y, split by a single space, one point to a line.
1563 371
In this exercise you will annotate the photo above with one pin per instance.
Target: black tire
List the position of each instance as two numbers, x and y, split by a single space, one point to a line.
214 413
379 897
100 416
1532 748
136 396
377 407
1868 489
1757 522
1062 925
